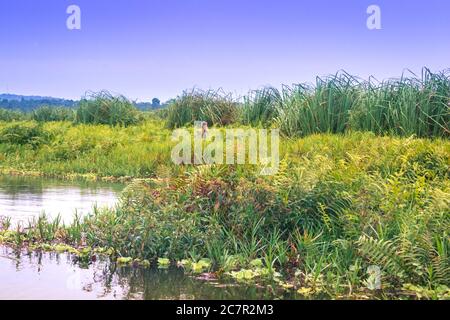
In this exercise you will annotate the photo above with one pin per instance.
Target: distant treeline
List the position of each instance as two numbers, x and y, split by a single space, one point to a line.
31 103
97 108
28 105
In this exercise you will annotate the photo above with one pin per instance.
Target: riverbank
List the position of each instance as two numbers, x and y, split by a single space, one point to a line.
338 205
62 149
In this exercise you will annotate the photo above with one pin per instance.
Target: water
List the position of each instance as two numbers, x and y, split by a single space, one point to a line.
48 276
25 198
51 276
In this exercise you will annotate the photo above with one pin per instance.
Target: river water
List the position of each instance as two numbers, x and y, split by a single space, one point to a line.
25 198
48 276
51 276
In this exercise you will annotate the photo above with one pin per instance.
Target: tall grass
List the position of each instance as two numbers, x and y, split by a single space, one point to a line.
104 108
11 115
339 103
410 105
406 106
261 107
323 108
212 106
45 114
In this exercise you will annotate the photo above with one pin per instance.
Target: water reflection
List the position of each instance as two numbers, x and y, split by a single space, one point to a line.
23 198
54 276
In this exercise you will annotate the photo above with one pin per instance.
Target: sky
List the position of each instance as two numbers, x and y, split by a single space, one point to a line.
158 48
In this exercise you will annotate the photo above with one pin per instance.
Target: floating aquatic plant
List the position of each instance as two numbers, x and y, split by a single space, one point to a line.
124 260
163 263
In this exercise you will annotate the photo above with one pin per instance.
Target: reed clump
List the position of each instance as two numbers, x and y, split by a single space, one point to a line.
261 107
212 106
105 108
340 103
405 106
48 114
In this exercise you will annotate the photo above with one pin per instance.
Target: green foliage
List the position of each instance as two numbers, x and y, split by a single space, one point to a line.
104 108
338 205
339 103
214 107
11 115
142 229
406 106
96 150
423 261
261 107
24 133
46 113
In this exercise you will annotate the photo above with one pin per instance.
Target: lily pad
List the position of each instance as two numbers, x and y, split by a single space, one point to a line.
163 262
256 263
124 260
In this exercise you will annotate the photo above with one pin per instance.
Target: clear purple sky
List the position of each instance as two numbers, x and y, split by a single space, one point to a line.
148 48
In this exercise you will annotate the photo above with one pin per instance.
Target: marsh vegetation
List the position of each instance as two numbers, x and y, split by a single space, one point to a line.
363 181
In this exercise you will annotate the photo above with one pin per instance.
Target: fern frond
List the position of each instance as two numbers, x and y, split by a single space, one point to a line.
381 253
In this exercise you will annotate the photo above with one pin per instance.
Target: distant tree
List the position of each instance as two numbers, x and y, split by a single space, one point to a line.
156 103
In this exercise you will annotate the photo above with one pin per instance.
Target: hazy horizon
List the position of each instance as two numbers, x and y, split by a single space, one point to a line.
146 49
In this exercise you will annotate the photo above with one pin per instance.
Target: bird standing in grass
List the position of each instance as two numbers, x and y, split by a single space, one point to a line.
204 130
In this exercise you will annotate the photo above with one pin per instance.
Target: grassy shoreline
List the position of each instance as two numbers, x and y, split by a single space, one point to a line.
339 204
363 185
65 176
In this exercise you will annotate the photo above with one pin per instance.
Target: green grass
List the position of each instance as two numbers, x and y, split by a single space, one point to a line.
11 115
363 181
409 105
97 150
214 107
45 114
261 107
340 103
339 204
104 108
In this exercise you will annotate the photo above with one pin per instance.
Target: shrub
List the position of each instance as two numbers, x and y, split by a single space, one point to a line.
24 133
104 108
